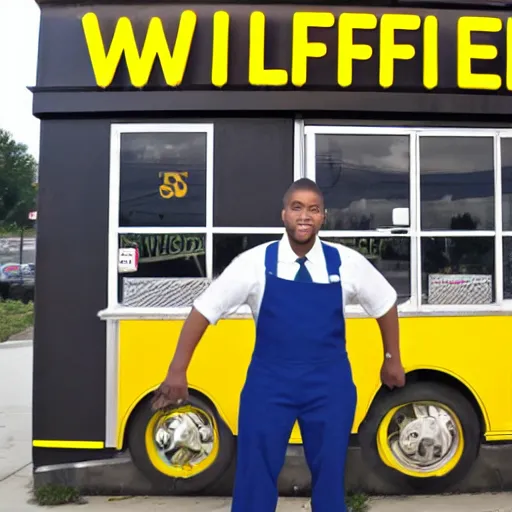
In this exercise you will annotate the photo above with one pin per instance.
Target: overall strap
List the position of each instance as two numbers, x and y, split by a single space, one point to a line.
332 259
271 258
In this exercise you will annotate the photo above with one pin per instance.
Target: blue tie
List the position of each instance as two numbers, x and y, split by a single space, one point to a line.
303 274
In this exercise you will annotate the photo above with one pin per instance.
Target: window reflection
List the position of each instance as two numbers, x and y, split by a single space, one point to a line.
169 255
363 177
506 182
163 179
227 247
507 267
164 261
457 183
391 256
457 270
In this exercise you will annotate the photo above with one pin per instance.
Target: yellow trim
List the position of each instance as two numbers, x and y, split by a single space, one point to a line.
389 459
498 436
89 445
175 471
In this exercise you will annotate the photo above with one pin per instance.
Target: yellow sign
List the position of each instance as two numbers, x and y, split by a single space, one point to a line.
348 24
173 184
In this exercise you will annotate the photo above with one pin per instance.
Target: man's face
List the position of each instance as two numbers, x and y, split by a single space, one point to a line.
303 215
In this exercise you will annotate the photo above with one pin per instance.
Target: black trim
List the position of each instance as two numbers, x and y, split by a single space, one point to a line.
47 104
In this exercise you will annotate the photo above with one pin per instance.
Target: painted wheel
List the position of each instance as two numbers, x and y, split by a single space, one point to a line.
422 437
184 450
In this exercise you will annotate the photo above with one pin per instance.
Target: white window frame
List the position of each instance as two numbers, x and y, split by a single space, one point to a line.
116 131
414 305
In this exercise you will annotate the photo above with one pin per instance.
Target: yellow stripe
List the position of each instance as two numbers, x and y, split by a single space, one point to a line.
90 445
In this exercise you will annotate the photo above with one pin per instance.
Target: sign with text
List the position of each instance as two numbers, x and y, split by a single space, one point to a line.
289 47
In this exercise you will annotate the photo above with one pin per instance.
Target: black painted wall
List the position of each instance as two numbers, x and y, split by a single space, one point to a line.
71 286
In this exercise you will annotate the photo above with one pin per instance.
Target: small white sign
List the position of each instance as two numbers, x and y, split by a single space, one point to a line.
32 215
128 260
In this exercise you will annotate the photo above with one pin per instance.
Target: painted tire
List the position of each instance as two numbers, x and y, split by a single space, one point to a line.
423 437
184 450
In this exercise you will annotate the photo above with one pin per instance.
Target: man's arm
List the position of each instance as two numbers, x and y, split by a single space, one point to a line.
193 329
379 299
388 324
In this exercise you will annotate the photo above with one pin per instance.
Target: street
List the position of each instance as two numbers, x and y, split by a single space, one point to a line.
16 469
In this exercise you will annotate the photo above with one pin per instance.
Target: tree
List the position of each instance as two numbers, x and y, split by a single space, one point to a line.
18 190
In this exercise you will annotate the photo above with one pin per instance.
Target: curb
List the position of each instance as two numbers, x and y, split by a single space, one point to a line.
16 344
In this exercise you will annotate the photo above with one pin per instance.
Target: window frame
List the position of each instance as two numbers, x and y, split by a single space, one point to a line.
415 233
116 131
114 230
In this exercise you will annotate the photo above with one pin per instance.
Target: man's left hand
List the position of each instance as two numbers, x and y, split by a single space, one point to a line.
392 374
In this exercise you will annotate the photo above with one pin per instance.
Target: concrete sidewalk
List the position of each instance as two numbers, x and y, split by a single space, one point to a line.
15 496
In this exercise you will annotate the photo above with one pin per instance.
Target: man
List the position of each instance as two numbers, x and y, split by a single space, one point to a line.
297 289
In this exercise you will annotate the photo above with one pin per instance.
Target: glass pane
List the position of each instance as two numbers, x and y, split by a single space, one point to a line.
457 183
507 267
506 182
17 264
165 261
391 256
163 179
169 255
457 270
363 177
227 247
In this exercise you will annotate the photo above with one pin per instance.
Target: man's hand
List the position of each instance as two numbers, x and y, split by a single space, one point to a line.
172 391
392 374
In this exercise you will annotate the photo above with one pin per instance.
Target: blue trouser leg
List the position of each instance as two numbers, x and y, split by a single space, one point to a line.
325 422
266 417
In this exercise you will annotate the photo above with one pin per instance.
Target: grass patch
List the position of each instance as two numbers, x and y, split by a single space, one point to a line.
15 316
357 502
16 233
51 495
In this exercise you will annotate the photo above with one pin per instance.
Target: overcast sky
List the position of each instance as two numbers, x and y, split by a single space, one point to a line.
19 32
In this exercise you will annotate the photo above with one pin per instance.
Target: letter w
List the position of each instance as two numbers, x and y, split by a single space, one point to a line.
139 66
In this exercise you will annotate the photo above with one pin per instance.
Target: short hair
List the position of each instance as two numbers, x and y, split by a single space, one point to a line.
302 184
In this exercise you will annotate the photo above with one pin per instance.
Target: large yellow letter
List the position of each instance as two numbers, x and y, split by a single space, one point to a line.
467 51
302 49
389 50
139 66
430 53
347 50
220 49
258 75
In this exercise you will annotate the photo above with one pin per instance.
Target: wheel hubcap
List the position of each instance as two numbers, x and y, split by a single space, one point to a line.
423 438
184 438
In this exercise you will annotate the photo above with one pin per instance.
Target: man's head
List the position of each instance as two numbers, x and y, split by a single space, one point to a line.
303 211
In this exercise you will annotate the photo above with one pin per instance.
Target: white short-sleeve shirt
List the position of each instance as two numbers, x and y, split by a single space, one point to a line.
243 281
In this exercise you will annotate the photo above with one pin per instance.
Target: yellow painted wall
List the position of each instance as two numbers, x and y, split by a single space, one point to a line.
475 350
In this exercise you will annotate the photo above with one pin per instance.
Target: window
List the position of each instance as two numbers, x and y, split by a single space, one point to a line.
391 256
365 176
362 177
163 179
165 209
457 183
457 202
163 193
430 208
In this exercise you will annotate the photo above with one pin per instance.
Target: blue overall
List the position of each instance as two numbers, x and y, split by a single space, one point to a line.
299 371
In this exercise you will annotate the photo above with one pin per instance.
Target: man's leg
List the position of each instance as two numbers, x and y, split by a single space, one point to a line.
325 424
266 420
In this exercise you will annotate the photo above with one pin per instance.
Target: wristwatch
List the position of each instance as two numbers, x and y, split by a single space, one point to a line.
387 355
